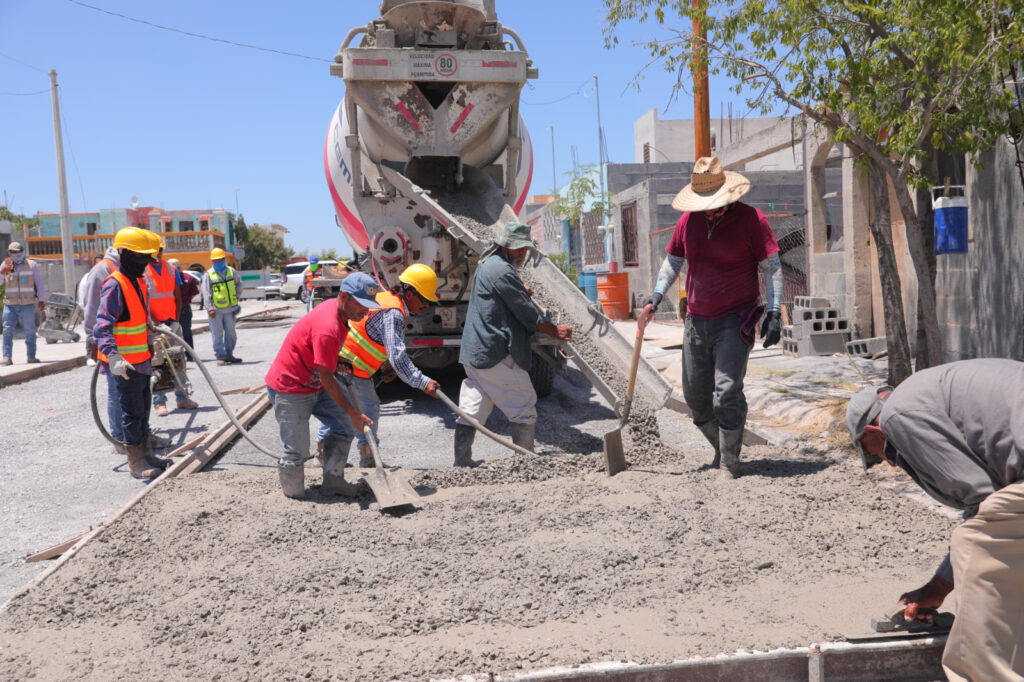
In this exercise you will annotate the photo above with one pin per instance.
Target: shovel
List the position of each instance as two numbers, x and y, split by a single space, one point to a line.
614 458
388 486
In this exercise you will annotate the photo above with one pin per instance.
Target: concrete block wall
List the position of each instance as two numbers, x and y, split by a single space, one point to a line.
817 330
866 348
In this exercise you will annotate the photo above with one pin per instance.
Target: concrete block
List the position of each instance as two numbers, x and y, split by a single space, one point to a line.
818 344
811 302
865 348
801 315
787 332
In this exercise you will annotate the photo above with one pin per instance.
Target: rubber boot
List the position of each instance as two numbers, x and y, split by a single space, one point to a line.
710 431
731 441
464 434
158 442
151 459
137 465
335 454
522 435
293 480
366 456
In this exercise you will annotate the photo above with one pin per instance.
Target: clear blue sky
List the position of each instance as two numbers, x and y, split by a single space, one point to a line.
182 122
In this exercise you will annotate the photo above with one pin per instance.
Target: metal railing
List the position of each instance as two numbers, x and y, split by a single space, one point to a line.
88 245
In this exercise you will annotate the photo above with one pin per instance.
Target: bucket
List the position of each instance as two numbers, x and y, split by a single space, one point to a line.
613 294
588 280
950 222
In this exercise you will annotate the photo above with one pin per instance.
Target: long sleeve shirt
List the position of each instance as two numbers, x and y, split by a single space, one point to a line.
207 292
113 309
387 328
501 319
91 293
21 269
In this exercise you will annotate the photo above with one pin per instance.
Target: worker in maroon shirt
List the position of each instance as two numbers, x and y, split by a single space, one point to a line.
724 243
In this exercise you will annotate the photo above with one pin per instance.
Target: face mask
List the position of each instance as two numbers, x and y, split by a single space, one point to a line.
134 264
220 266
18 258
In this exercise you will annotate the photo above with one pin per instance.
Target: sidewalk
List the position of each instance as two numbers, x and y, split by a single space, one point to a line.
59 357
790 398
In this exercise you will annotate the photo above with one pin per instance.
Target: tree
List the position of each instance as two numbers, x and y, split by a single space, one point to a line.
263 247
891 81
20 223
564 263
582 195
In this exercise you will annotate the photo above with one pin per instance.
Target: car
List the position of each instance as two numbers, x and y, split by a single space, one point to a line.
294 282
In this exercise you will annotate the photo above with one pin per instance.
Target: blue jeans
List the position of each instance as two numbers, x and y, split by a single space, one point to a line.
293 410
186 324
367 402
25 317
134 396
222 328
114 409
714 365
161 398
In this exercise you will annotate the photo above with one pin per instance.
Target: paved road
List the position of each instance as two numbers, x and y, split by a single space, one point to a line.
59 478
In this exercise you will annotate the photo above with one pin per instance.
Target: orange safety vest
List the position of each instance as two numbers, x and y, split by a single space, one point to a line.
160 288
309 280
130 336
363 353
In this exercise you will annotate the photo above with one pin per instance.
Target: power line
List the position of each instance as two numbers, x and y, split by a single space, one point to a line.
67 136
24 94
578 91
34 68
198 35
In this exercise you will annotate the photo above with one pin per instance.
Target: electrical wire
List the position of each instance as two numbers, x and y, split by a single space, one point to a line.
74 161
198 35
13 59
24 94
578 91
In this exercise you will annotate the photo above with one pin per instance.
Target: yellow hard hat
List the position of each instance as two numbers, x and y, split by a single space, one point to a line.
423 279
134 239
160 239
218 254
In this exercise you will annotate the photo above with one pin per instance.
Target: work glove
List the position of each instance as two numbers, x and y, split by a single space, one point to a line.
90 348
119 366
654 300
771 328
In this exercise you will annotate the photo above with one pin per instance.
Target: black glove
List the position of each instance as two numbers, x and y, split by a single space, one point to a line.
771 328
654 300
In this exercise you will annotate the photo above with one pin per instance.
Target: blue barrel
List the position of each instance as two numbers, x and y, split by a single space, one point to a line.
950 224
589 282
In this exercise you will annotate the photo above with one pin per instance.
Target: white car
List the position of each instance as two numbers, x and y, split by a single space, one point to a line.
294 282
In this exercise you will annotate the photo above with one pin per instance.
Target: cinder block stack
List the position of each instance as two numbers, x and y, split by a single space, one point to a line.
866 348
816 329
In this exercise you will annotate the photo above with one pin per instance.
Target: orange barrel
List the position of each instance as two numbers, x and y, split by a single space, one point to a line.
613 294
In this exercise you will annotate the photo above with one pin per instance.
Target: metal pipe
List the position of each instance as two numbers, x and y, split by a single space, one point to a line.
348 39
505 30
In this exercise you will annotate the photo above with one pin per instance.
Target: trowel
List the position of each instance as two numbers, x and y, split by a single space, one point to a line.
614 458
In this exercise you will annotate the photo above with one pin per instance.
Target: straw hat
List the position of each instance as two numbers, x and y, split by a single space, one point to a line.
710 187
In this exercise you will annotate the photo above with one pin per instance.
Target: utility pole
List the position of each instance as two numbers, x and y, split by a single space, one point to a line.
66 242
701 102
601 163
554 175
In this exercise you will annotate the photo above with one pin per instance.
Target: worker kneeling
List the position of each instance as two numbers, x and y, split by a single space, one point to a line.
380 338
301 384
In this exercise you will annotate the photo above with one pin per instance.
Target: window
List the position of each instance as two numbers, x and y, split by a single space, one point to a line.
630 257
647 152
204 225
90 229
186 226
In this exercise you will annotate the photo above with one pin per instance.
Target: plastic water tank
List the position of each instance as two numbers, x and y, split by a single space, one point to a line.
950 220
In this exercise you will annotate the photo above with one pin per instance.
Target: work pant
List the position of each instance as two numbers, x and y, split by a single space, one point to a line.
366 401
134 396
23 316
506 386
161 398
987 551
186 324
222 328
714 365
293 410
114 408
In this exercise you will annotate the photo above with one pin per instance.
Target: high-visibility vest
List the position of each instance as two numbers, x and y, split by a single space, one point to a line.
130 336
20 284
309 279
160 287
363 353
222 289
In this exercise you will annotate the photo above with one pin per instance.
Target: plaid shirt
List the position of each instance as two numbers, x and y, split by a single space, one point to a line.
388 329
112 310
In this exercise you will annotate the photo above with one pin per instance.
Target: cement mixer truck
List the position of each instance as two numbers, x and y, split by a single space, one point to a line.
427 157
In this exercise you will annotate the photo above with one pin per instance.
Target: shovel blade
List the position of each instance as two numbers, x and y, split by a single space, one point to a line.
390 489
614 458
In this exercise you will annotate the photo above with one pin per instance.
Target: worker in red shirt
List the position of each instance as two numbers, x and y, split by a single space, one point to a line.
724 243
301 384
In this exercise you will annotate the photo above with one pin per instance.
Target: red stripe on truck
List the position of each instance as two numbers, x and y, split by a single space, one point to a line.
370 62
500 65
462 117
408 115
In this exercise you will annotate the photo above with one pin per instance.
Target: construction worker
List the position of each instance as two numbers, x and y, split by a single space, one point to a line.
190 283
163 284
24 291
220 288
122 341
496 343
958 431
724 244
301 384
380 338
312 271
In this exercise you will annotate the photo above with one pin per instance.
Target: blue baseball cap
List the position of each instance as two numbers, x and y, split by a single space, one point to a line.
314 259
363 288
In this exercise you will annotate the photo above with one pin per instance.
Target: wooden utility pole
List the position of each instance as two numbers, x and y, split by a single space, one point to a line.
701 102
66 242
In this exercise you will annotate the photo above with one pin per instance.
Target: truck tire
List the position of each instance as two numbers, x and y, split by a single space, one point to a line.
542 376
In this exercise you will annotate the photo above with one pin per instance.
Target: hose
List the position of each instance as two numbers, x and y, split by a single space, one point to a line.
209 379
481 428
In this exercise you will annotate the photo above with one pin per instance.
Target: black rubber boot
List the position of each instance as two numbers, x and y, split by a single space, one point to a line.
710 431
152 460
464 434
335 454
731 442
522 435
293 481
